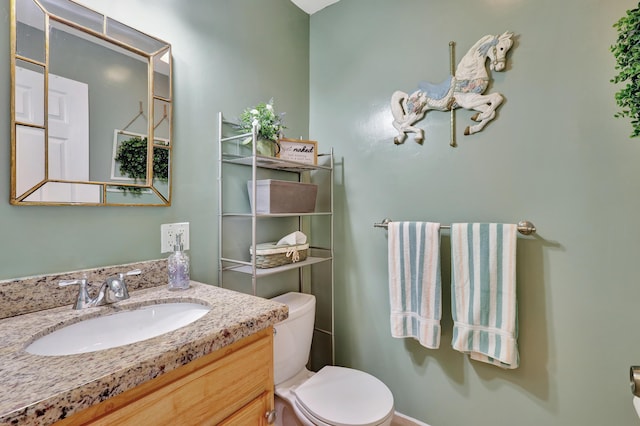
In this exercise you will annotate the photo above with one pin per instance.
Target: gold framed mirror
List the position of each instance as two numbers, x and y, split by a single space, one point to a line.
88 93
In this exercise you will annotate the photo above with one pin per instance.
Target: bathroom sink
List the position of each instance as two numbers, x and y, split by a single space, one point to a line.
118 329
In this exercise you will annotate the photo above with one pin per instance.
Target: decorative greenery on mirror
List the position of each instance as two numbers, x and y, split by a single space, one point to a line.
101 75
627 54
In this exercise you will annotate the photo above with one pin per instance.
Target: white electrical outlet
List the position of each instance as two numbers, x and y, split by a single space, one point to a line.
168 232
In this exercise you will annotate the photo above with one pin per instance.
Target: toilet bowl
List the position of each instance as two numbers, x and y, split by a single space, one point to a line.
334 396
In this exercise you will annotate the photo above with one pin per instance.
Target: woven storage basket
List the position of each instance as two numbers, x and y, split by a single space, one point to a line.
270 255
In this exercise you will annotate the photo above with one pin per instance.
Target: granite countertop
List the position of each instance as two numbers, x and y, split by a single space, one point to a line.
39 390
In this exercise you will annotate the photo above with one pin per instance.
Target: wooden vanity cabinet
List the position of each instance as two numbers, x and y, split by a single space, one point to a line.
232 386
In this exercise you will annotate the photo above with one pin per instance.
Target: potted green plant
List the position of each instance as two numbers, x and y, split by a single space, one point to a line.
269 127
627 54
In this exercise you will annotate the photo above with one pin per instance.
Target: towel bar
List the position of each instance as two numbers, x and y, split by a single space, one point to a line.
524 226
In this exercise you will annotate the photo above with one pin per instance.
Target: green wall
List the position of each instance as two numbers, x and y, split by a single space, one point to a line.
555 155
228 55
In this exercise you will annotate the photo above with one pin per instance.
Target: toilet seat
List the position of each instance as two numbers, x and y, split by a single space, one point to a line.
344 397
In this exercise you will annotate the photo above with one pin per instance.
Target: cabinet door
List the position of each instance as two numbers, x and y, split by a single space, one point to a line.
203 392
254 413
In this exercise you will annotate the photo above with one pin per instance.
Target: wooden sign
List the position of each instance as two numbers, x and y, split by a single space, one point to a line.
299 150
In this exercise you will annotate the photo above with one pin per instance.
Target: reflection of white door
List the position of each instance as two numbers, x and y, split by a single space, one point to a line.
68 145
29 108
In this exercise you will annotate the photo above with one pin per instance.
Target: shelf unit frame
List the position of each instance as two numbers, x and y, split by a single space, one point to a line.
256 162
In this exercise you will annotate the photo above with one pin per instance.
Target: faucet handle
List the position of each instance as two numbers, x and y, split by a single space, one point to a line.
121 275
83 300
64 283
82 282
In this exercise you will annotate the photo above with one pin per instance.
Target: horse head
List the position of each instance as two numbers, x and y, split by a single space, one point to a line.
497 53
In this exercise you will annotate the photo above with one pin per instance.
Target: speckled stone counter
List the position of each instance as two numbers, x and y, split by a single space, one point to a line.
23 295
39 390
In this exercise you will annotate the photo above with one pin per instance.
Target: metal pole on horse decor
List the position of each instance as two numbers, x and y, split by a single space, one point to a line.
452 65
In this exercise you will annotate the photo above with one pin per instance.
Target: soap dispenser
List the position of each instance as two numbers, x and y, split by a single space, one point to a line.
178 267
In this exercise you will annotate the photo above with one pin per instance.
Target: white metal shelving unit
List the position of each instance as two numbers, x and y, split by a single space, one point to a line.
230 153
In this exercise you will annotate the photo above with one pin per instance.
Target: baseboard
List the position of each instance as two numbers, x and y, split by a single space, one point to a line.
400 419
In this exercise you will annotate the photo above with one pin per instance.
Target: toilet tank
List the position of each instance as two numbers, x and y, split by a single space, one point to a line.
292 340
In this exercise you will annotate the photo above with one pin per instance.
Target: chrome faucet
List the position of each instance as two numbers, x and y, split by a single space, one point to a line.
112 290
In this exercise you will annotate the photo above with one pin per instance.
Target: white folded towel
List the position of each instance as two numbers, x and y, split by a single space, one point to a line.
414 281
483 292
293 238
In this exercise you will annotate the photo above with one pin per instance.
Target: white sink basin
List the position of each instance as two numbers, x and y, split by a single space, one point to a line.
119 329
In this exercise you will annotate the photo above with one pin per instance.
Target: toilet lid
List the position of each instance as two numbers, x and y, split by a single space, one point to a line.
344 397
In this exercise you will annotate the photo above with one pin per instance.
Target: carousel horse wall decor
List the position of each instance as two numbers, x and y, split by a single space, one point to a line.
464 89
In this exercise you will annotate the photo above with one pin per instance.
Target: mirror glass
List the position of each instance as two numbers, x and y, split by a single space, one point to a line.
88 94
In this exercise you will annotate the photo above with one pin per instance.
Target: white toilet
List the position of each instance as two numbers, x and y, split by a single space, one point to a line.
334 396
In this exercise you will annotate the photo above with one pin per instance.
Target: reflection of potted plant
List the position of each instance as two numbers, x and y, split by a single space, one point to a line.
132 157
268 125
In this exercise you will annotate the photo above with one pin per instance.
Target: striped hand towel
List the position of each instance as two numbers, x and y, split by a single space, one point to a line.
483 292
414 281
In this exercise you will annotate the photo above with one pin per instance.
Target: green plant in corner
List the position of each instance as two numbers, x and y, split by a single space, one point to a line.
132 157
627 54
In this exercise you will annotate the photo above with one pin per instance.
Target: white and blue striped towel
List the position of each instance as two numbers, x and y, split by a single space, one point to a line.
483 292
414 281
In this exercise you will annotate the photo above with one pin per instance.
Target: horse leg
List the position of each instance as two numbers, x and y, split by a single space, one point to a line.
485 105
403 129
477 127
494 101
406 126
407 110
398 140
479 116
402 135
398 110
419 137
